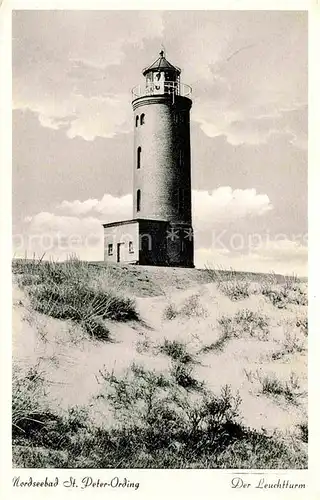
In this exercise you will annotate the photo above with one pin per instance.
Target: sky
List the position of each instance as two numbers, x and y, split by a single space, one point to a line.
73 72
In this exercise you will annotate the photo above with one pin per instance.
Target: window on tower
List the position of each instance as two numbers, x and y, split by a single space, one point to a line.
138 200
137 120
139 157
180 158
180 200
142 119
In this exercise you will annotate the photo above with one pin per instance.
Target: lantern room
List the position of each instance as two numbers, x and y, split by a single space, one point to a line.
161 78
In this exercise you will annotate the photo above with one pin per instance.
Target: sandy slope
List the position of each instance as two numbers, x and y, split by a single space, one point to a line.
71 362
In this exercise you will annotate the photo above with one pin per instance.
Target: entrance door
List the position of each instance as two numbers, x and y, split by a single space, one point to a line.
119 251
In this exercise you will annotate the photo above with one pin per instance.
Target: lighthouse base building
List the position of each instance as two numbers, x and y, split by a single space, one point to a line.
160 232
148 242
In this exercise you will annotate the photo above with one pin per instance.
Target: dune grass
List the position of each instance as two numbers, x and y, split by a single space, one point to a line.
176 350
290 389
288 292
236 286
302 323
161 420
28 398
191 307
244 322
156 425
271 385
68 290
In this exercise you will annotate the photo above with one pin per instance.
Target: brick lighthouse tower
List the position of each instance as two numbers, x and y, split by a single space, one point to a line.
160 232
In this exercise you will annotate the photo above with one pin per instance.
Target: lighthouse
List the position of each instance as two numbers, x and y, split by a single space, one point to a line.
160 232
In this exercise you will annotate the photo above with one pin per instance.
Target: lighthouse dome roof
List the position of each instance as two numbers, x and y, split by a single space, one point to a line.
161 64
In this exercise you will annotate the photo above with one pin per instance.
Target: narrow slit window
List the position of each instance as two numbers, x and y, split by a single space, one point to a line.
180 199
138 200
137 120
130 246
180 158
142 119
110 249
139 157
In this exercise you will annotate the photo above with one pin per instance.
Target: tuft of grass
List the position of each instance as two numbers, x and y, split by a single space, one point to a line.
302 323
234 285
182 375
190 308
293 341
143 345
176 350
281 295
96 328
29 405
66 291
242 323
170 312
304 432
289 389
81 302
219 344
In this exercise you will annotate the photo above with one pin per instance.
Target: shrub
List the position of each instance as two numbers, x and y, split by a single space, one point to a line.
190 308
219 344
288 292
182 375
290 389
136 396
176 350
143 345
170 312
304 431
302 323
234 285
293 343
244 322
235 290
156 426
252 323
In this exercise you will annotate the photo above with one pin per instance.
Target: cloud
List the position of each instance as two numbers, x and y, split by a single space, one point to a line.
220 205
84 117
77 228
112 207
59 236
78 207
79 223
240 75
72 80
281 250
282 256
225 204
47 222
246 69
257 129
